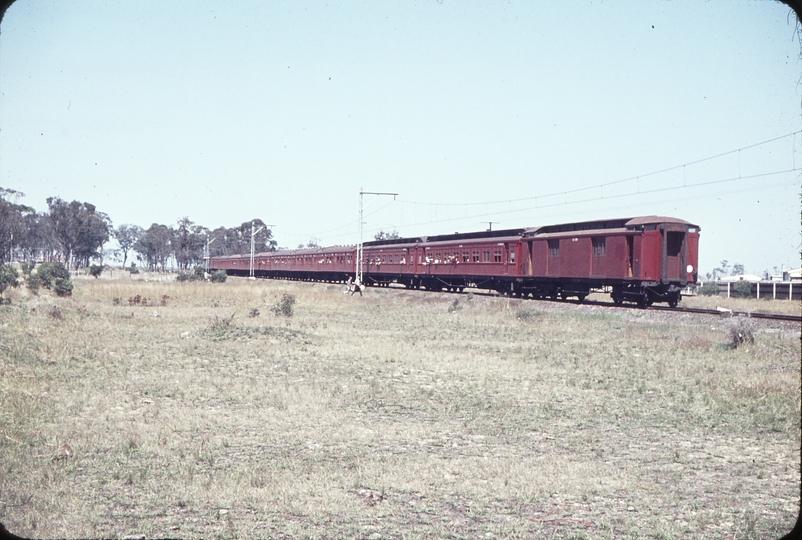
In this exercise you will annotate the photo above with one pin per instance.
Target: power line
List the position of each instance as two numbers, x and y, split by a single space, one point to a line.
565 194
607 184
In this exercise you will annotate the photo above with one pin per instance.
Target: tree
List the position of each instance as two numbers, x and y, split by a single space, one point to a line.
738 269
11 222
237 240
127 236
79 228
188 243
155 245
382 235
721 269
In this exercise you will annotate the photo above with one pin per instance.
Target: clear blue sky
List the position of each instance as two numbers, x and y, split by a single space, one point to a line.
228 111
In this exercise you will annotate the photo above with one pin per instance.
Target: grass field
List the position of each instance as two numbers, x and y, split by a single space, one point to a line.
394 415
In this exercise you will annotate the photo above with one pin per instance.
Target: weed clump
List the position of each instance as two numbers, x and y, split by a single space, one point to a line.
742 332
525 314
138 300
254 313
285 306
55 312
455 306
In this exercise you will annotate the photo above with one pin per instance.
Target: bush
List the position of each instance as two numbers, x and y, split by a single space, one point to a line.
62 287
285 307
133 269
741 289
26 268
8 277
33 282
50 271
708 289
199 271
219 276
96 269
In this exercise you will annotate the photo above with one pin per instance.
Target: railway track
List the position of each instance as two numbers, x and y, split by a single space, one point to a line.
721 312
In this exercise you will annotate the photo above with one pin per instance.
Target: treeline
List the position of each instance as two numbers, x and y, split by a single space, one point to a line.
75 233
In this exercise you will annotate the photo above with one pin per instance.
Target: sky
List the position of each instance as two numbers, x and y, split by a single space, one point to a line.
477 114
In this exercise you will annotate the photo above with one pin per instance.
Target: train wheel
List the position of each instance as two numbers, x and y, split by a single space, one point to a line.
460 289
674 300
581 297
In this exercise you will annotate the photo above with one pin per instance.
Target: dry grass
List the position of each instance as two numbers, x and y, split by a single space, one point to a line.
397 414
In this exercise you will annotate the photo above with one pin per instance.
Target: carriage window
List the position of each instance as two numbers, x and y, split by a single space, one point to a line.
599 247
497 256
554 248
465 256
651 227
485 256
475 256
512 257
674 244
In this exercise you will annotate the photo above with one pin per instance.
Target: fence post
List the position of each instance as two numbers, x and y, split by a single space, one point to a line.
758 290
728 289
790 291
774 290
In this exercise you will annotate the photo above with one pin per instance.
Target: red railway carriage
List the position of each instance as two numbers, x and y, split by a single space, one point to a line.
643 259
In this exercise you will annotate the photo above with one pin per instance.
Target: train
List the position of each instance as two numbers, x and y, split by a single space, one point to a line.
639 260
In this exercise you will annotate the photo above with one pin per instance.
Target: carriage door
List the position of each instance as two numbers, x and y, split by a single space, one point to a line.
674 268
529 258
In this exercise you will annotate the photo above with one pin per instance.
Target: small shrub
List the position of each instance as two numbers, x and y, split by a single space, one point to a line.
96 269
454 306
254 312
742 332
50 271
219 276
62 287
708 289
33 282
8 277
55 312
285 306
186 276
117 300
133 269
164 300
26 268
199 271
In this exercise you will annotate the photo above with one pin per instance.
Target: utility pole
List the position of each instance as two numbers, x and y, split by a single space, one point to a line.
359 265
206 253
490 224
253 244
